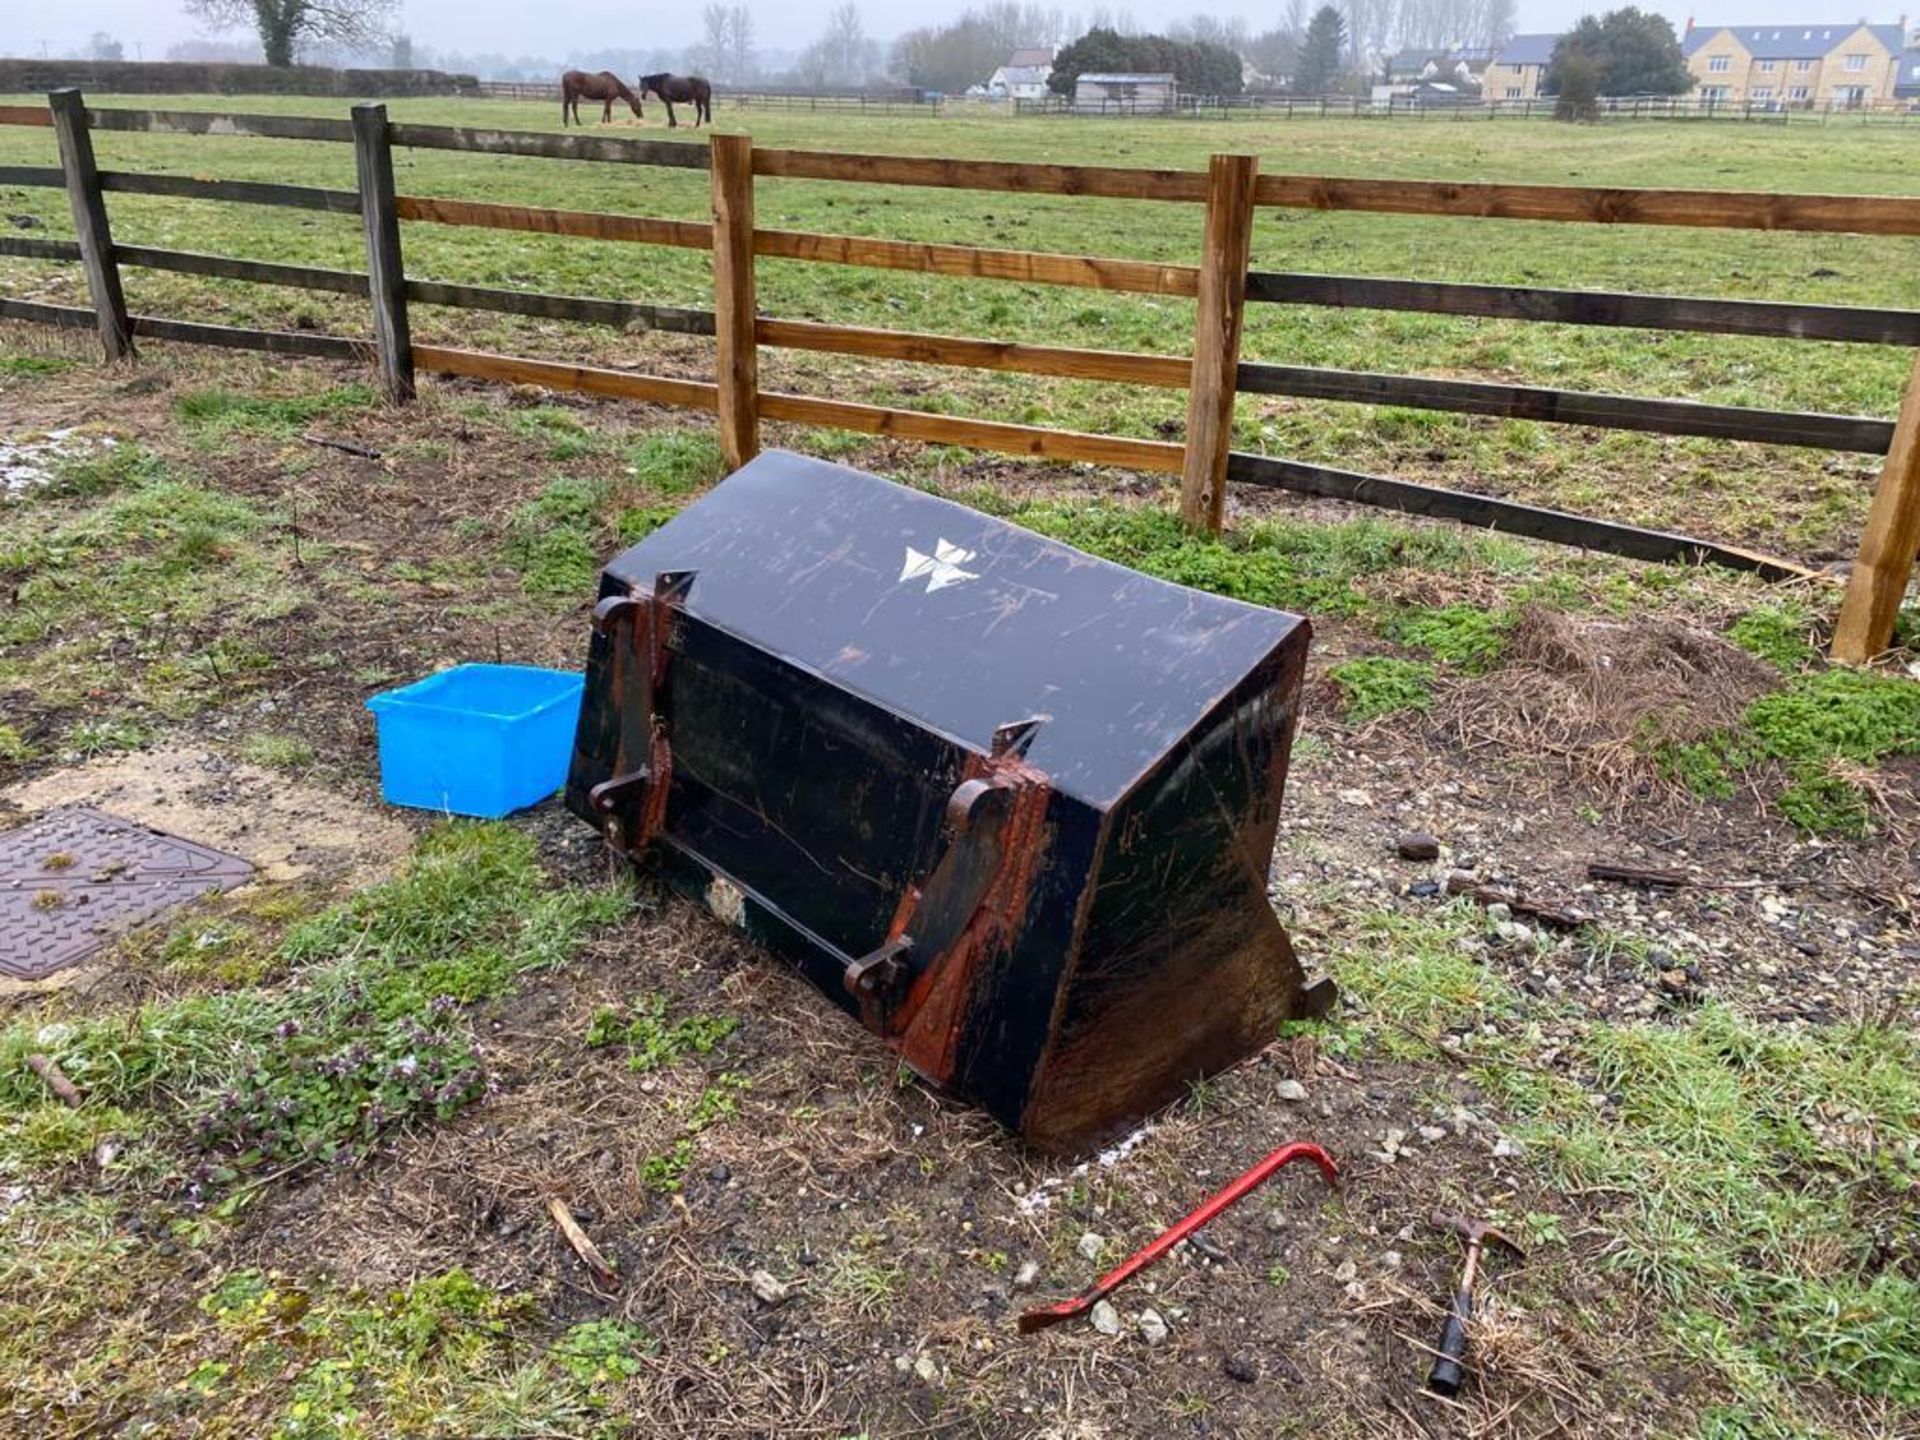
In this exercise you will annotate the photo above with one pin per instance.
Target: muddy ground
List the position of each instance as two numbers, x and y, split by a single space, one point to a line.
902 1225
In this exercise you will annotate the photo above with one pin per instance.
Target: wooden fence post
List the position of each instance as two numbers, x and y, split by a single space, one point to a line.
90 221
1887 545
1216 338
737 359
386 277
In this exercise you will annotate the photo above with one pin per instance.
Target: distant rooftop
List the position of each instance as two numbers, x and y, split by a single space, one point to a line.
1526 50
1028 55
1793 42
1129 78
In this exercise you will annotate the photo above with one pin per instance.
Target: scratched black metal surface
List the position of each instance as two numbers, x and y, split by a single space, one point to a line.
816 563
73 879
833 677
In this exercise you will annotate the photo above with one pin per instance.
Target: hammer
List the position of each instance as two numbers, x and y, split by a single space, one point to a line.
1446 1376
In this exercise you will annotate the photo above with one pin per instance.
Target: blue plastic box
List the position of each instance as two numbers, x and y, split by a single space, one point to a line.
479 740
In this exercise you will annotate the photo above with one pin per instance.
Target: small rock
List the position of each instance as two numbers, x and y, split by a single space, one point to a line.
1105 1318
1026 1275
1499 912
1423 889
1393 1140
1390 1260
1432 1133
720 1175
766 1289
1505 1149
1513 932
1091 1245
1356 1290
1290 1090
903 1364
1418 845
1239 1367
1153 1329
1359 799
1346 1273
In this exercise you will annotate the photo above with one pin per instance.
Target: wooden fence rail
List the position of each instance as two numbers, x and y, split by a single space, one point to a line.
1222 283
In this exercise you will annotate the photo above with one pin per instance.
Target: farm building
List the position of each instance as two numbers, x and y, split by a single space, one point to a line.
1519 66
1791 66
1024 76
1125 92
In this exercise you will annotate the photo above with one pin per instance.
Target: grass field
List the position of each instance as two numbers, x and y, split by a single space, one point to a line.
306 1193
1804 502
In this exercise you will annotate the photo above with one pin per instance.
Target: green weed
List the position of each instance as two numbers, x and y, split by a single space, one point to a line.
277 752
1466 637
601 1352
1778 634
13 746
676 462
1377 685
652 1041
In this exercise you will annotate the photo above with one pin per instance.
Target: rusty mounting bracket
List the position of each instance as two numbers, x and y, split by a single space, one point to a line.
880 971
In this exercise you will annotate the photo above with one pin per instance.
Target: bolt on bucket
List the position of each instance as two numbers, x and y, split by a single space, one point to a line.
1009 805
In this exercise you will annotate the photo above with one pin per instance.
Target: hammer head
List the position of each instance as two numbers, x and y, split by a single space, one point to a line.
1475 1232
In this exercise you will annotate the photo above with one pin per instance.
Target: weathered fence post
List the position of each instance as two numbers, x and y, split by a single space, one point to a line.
1887 545
1216 338
737 358
69 109
386 278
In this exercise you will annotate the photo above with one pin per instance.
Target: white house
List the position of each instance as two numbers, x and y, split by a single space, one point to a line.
1024 76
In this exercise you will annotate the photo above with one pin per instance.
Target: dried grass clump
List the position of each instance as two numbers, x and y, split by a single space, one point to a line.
1603 696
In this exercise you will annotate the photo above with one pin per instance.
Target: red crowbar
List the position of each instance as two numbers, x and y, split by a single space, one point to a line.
1253 1179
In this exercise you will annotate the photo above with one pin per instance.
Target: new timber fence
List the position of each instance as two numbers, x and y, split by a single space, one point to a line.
1231 190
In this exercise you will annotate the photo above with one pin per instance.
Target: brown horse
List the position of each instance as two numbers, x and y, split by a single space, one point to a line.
607 87
683 88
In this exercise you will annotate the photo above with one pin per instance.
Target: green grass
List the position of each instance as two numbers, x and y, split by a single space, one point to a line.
1816 733
368 1035
37 367
1749 1180
554 541
1310 568
213 415
1795 499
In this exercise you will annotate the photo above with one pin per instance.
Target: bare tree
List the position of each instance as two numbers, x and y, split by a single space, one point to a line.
740 66
283 25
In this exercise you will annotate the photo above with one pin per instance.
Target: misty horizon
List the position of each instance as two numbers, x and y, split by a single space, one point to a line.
521 34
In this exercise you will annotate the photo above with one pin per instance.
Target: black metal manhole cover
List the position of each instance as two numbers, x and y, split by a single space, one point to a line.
75 878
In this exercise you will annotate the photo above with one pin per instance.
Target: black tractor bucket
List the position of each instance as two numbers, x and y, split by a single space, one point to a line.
1011 806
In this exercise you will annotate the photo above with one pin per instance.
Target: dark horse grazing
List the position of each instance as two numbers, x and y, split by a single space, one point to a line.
578 85
682 88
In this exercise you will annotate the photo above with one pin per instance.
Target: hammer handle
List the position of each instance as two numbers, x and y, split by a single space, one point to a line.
1447 1375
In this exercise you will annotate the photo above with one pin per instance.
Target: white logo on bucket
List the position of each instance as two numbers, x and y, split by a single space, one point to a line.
941 569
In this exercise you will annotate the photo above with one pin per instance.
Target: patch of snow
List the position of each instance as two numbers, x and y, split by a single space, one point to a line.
1040 1197
27 462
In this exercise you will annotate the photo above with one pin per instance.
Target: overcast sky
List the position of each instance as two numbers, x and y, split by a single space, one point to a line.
518 27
